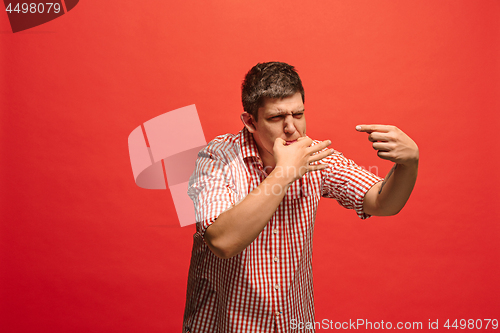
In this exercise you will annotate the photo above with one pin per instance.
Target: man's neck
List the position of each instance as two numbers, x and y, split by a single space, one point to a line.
267 160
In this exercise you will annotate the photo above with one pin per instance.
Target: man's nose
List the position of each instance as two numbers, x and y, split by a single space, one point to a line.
289 126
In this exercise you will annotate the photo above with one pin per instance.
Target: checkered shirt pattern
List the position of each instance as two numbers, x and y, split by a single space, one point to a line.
270 282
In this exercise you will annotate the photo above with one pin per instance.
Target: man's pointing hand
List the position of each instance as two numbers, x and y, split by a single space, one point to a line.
391 143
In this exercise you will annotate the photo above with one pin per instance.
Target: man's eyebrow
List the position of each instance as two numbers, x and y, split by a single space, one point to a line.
281 112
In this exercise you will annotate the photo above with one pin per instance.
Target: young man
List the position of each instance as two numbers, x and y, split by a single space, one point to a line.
256 194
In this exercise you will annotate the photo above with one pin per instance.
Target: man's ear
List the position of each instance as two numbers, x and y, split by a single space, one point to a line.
248 121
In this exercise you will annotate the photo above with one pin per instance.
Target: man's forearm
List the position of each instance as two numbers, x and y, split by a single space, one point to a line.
390 196
240 225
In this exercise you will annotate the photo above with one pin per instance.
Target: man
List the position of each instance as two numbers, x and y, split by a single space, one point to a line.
256 195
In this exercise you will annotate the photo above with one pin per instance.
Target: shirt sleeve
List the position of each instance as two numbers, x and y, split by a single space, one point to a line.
210 188
347 182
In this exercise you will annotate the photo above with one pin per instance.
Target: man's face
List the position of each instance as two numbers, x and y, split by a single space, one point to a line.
278 118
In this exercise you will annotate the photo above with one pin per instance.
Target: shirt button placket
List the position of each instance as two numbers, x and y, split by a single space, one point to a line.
276 259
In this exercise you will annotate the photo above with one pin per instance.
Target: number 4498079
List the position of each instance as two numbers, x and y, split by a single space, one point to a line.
34 8
472 324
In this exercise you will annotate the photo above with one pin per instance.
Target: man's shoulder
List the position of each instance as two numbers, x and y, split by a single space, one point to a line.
223 147
228 138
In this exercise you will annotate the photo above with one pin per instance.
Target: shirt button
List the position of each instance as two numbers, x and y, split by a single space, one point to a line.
276 286
275 259
275 231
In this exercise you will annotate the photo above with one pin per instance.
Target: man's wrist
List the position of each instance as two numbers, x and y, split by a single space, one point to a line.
279 176
285 175
413 164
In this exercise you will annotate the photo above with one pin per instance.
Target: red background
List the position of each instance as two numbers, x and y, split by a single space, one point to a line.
83 249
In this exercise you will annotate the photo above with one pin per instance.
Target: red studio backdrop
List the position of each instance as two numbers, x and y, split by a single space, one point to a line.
84 249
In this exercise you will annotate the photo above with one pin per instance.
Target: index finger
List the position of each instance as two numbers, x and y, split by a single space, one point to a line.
373 128
305 140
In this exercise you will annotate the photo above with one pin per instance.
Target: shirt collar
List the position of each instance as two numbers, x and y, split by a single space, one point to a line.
248 146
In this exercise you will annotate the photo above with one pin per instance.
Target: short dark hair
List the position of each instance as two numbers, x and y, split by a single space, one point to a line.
269 79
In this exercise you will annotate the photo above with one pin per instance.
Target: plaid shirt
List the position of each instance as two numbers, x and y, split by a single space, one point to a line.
270 282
